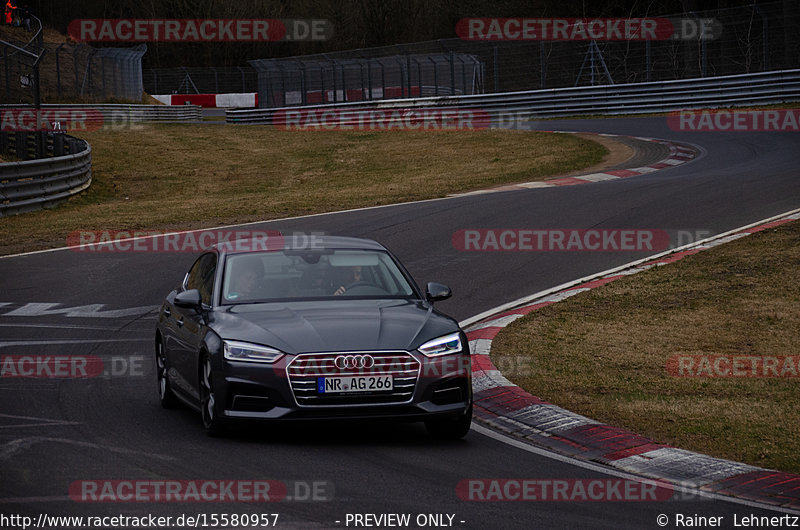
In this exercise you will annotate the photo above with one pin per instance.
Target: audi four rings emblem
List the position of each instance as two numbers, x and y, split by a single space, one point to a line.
343 362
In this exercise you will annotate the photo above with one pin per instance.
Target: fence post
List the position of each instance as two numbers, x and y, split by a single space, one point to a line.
58 70
435 76
335 95
361 75
402 76
542 66
496 61
764 37
269 96
452 74
369 79
419 76
703 58
88 74
408 75
322 81
5 64
344 84
383 82
103 73
283 83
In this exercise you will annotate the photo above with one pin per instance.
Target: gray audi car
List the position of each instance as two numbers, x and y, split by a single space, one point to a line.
327 328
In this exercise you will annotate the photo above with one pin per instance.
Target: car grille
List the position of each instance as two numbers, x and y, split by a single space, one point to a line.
305 368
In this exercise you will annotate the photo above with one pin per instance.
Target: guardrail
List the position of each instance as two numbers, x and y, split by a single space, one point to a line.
763 88
116 113
55 166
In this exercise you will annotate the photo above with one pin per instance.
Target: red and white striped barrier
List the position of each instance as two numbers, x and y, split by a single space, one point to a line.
250 100
242 101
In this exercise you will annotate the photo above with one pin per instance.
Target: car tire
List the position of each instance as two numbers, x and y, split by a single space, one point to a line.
213 423
450 429
165 394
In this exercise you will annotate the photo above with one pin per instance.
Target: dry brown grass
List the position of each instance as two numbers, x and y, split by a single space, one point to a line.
604 353
193 176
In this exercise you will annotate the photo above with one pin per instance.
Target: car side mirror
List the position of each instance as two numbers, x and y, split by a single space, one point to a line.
435 292
190 299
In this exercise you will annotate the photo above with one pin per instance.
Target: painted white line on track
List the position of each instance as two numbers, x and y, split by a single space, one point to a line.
7 343
224 227
41 421
699 153
11 448
31 500
74 326
48 424
598 468
616 270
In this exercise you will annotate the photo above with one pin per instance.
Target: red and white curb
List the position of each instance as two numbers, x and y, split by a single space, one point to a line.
678 154
506 407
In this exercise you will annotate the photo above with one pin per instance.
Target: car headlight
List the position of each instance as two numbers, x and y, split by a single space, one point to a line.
442 346
245 351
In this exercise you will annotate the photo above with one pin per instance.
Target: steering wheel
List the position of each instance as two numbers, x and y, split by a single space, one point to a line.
363 287
359 283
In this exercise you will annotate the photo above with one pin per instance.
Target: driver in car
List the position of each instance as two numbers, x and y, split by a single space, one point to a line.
249 273
354 277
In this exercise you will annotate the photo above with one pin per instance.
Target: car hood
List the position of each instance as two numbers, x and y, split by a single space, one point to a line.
346 325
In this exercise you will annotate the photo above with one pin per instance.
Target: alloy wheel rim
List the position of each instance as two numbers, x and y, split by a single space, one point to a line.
162 372
208 395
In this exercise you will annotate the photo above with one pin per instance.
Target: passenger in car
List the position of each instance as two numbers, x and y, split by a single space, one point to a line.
246 279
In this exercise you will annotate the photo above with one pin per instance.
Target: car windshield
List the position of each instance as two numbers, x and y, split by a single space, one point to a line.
292 274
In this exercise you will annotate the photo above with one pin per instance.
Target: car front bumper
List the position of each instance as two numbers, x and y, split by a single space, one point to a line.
442 388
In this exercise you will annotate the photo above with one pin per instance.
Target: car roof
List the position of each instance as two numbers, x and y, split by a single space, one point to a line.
301 241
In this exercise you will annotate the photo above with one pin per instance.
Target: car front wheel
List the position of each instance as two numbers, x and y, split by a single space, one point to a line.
212 422
165 394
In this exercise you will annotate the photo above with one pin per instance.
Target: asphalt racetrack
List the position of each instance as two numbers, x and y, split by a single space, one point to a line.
55 433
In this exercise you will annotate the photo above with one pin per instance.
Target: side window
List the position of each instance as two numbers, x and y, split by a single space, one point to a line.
201 276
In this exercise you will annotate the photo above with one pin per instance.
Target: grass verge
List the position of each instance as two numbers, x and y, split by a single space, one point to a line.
604 353
182 176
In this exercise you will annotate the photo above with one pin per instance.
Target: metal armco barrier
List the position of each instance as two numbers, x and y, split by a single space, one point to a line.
764 88
119 113
54 167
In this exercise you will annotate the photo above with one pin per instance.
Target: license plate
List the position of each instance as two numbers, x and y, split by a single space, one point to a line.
337 385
